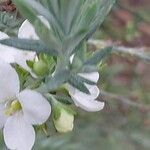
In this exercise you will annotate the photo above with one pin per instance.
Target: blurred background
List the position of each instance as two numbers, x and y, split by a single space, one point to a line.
124 124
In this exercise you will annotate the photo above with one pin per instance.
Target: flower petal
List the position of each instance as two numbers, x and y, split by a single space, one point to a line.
35 107
27 30
85 101
3 35
93 76
7 53
3 118
89 105
94 92
71 58
18 134
9 82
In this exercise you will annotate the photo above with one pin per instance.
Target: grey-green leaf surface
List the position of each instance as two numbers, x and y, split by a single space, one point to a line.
98 56
79 84
55 81
29 45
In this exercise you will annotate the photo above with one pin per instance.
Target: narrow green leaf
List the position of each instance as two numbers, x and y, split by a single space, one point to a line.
75 82
98 56
88 68
46 35
26 10
49 11
68 12
103 10
79 56
32 9
72 13
82 79
51 16
64 99
73 41
88 13
29 45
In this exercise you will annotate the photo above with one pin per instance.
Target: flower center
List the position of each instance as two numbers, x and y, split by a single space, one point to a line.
13 107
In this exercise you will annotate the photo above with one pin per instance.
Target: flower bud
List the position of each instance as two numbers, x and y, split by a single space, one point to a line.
40 68
63 119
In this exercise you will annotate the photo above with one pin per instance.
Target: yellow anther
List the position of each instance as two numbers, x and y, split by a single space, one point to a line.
14 107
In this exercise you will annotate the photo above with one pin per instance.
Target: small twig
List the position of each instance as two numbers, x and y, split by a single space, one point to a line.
125 100
136 52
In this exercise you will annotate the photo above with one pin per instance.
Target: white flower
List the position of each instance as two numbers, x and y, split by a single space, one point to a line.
6 53
87 101
19 110
14 55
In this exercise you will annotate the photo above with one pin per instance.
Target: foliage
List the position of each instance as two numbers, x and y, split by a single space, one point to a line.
119 126
64 35
9 23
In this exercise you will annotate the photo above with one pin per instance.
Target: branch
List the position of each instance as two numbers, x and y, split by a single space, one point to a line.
139 53
124 100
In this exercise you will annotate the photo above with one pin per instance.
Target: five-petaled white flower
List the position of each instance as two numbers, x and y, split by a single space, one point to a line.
19 110
14 55
87 101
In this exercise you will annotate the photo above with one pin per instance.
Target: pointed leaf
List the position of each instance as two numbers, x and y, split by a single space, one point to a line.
88 68
103 10
64 99
73 41
82 79
75 82
98 56
29 45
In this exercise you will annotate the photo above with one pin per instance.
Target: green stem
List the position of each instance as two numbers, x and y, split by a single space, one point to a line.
62 63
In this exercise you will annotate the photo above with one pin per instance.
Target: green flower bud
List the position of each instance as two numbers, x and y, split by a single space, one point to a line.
40 68
63 120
